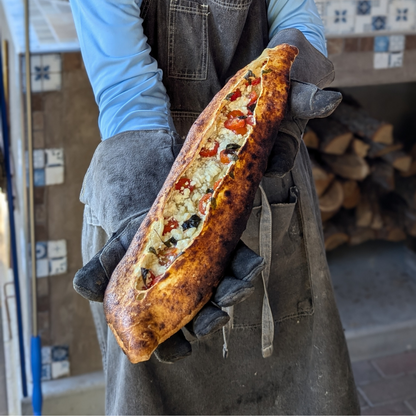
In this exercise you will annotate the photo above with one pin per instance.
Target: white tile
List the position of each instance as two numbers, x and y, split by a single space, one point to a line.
397 43
36 83
54 175
401 15
379 7
396 59
52 83
46 354
52 61
340 17
54 157
35 63
56 249
381 60
321 6
41 249
38 159
46 373
42 268
58 266
60 369
362 24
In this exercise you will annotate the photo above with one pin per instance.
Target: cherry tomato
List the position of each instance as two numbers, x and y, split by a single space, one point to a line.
217 184
153 280
242 130
168 256
256 81
203 202
253 98
235 114
235 123
224 157
250 120
171 225
184 183
237 94
211 151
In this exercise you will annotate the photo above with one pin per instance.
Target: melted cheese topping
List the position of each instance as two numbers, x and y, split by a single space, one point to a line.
189 204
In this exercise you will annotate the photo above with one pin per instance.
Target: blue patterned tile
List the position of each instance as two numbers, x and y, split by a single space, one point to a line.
381 44
379 22
60 352
396 59
41 250
364 7
39 177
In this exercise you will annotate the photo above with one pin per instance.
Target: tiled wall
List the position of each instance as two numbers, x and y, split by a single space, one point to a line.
349 17
65 135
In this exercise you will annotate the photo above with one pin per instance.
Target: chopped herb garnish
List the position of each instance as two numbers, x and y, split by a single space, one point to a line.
213 203
249 75
228 97
171 242
233 157
232 146
209 191
152 250
266 71
193 222
252 107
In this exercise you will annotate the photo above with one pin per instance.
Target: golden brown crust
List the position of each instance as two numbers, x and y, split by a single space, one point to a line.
141 320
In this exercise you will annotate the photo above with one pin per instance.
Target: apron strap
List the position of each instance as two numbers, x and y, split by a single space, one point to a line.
265 244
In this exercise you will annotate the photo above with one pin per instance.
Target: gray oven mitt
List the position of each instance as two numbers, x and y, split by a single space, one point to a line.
125 175
310 72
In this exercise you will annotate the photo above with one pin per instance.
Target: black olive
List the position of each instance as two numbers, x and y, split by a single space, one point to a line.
252 107
242 117
232 146
249 74
152 250
209 191
171 242
193 222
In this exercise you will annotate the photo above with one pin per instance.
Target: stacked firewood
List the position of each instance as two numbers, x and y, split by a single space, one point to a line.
364 178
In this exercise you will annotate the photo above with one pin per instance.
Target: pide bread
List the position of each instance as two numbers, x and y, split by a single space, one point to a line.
181 249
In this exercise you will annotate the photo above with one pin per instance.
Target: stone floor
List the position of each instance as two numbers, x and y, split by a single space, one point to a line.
387 385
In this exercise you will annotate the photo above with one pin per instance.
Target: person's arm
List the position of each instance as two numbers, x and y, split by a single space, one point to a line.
297 14
126 81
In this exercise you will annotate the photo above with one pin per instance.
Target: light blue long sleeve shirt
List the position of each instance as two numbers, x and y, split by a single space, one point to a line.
125 79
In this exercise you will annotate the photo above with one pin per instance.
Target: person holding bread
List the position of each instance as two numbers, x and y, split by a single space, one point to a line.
270 341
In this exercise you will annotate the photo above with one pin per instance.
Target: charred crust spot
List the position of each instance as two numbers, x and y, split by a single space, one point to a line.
227 193
162 326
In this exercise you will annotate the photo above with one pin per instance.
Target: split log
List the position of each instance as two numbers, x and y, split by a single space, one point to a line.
398 213
362 124
359 147
321 177
352 194
394 234
380 149
311 139
411 171
331 201
383 174
334 137
399 160
334 236
348 166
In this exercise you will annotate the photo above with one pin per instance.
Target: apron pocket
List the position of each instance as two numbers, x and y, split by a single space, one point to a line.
289 289
188 26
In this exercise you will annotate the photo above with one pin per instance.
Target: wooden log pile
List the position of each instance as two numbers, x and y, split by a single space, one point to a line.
364 177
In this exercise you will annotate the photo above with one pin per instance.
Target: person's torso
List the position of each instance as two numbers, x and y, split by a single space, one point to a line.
199 44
